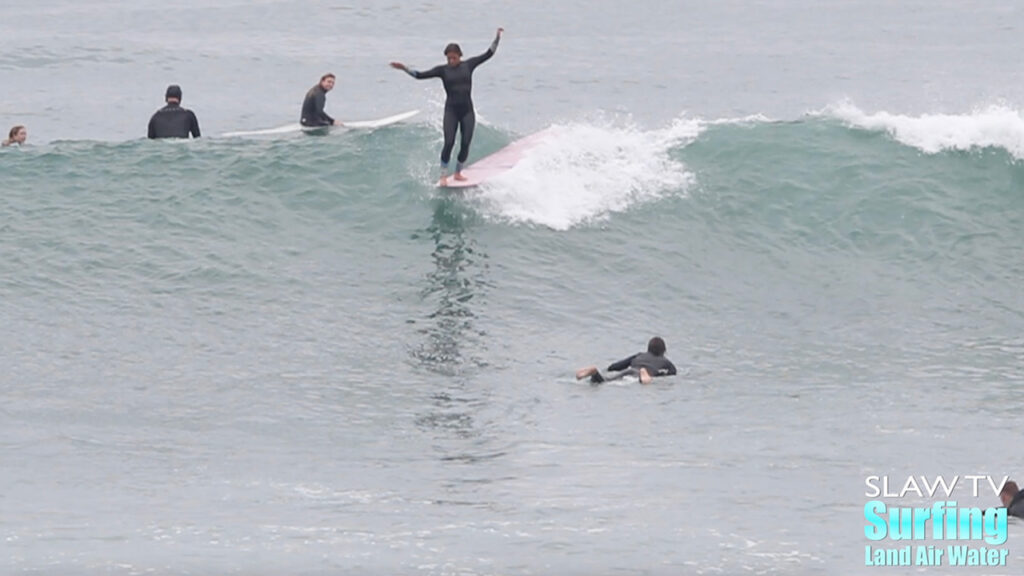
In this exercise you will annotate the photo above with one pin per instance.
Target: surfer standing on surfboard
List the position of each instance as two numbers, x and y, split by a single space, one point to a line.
313 106
457 76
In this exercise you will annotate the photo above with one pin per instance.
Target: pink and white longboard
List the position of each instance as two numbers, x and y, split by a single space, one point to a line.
498 163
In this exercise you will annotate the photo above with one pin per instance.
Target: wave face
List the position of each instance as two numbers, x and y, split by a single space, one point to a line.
305 325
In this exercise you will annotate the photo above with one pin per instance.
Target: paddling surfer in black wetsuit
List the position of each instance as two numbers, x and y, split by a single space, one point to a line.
313 114
457 76
646 365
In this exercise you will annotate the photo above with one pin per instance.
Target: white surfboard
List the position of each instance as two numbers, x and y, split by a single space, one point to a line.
498 163
364 124
352 125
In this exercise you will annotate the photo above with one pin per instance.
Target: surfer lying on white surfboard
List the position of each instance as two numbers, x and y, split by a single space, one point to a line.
457 76
645 365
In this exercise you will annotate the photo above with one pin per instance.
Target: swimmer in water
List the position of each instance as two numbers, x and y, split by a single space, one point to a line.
16 136
1013 499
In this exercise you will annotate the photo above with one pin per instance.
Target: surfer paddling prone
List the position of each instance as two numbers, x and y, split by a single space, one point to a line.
457 76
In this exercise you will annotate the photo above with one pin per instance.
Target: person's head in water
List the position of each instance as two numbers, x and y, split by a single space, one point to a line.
173 94
1010 490
17 135
656 346
327 82
453 53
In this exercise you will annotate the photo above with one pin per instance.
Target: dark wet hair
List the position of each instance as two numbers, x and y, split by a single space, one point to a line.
326 76
1010 489
453 47
14 131
656 346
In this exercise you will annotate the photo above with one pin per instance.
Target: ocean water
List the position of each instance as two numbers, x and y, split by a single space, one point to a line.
293 355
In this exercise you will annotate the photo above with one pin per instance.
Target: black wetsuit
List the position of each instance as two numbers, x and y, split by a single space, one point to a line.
313 108
1016 507
458 106
655 365
173 121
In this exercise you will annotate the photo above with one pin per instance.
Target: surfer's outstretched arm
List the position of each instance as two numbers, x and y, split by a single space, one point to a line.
597 378
621 364
435 72
478 60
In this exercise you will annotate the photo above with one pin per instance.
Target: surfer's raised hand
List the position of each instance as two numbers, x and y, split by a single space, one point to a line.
399 66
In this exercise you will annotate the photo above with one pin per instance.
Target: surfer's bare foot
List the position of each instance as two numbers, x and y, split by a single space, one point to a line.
586 372
459 176
444 181
645 376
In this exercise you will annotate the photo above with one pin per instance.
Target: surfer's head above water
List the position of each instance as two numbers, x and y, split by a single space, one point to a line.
17 135
453 53
656 346
173 93
327 82
1010 490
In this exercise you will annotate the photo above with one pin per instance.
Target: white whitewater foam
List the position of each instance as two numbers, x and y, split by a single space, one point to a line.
584 171
994 126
